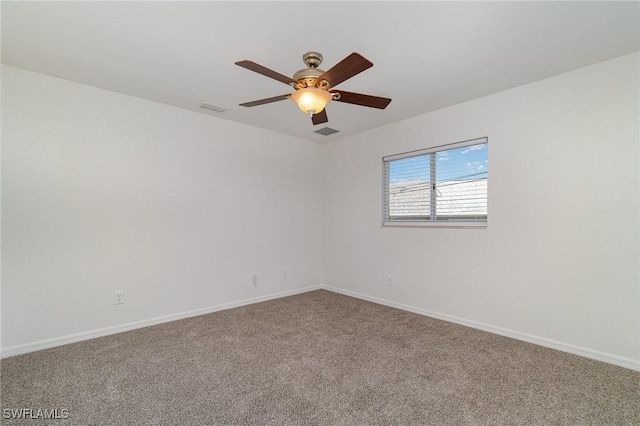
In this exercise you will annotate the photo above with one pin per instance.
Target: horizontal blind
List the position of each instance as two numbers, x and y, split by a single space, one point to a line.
438 148
443 184
408 188
461 183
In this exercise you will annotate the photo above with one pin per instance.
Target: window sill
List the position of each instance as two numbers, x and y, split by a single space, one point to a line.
425 224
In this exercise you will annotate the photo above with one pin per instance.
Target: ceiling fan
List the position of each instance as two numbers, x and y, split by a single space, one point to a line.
314 88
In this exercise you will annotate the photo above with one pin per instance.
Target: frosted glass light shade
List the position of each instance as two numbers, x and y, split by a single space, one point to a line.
311 100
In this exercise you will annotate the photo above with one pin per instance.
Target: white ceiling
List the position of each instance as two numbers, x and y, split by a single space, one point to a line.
426 55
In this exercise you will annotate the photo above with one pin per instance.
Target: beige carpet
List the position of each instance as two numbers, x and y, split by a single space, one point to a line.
317 359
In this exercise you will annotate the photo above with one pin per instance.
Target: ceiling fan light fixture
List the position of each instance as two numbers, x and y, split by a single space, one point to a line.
311 100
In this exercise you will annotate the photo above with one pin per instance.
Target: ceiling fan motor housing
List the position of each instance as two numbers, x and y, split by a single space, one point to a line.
308 77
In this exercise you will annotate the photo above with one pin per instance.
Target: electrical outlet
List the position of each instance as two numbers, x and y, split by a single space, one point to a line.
390 281
305 270
284 273
255 280
118 297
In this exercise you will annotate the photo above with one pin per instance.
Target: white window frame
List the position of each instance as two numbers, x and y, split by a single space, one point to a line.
432 222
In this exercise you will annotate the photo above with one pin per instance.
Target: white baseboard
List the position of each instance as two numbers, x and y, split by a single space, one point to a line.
553 344
72 338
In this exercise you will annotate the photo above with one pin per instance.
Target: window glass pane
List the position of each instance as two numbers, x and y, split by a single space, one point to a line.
409 183
461 183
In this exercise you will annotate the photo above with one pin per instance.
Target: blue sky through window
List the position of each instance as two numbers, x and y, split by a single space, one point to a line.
410 169
466 163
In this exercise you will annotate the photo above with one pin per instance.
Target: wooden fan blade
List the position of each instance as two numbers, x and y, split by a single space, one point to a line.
265 101
252 66
345 69
320 117
363 100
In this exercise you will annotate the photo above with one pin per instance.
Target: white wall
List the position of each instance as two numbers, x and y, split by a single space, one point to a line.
104 192
558 263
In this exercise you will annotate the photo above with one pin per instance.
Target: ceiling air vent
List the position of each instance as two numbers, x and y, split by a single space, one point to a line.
213 108
326 131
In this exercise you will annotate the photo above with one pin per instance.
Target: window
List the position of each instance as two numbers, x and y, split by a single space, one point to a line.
441 186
